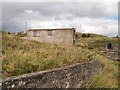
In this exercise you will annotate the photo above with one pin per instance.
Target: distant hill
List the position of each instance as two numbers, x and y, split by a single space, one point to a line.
94 40
92 35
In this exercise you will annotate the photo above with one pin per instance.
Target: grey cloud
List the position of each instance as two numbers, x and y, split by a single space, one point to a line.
14 15
105 27
53 8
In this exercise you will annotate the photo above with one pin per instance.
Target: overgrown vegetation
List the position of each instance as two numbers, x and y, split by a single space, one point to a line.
108 77
94 40
21 34
24 56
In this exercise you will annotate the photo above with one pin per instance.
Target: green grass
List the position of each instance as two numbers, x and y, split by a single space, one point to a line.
94 41
108 77
21 35
24 56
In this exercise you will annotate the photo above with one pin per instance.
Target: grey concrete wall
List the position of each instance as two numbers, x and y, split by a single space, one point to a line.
58 36
66 77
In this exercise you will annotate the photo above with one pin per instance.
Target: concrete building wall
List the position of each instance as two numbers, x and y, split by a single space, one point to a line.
57 35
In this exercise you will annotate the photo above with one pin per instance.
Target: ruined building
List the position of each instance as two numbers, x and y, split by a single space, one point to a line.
60 35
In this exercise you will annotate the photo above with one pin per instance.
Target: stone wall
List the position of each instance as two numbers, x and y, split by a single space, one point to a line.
71 76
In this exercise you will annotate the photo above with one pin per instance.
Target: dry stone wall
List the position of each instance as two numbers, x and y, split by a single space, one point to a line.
66 77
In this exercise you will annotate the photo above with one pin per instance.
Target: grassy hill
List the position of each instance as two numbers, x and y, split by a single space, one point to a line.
108 78
24 56
94 40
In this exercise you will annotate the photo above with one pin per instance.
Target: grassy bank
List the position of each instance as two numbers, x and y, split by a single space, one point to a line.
94 41
108 77
24 56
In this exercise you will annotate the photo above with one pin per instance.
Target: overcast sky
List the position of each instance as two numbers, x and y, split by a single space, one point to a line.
94 17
